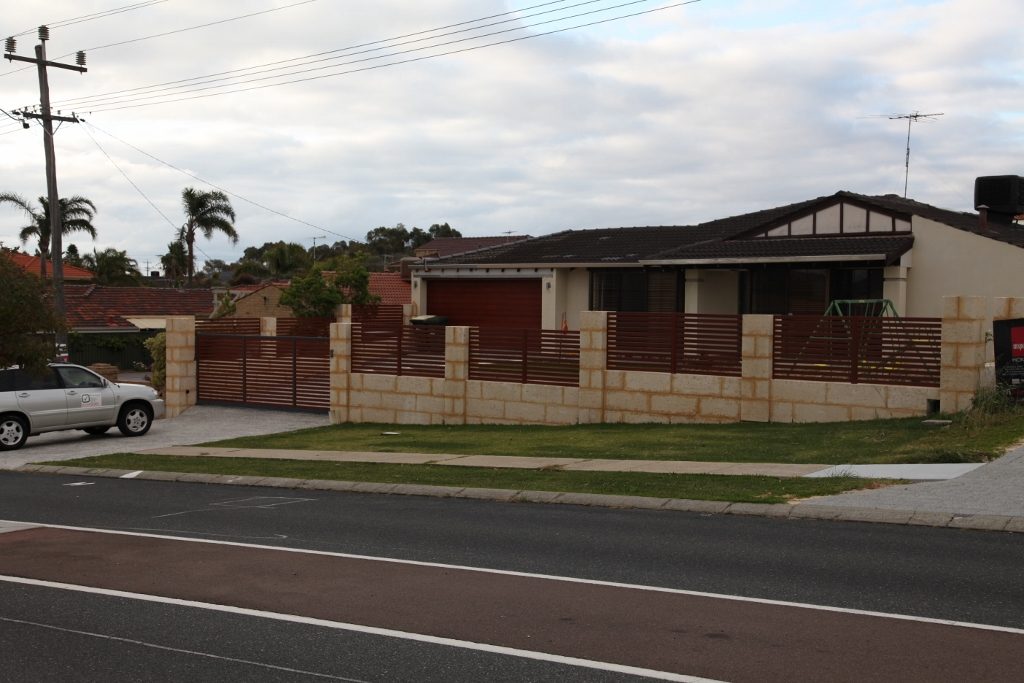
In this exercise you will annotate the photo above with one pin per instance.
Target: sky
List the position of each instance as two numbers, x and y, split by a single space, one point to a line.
684 114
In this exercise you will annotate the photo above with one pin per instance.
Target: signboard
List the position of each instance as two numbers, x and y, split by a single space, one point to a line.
1008 340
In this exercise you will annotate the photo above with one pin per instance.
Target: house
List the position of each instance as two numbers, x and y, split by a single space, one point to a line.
795 258
264 301
30 264
450 246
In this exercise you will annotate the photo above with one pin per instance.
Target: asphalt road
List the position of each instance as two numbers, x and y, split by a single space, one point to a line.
937 573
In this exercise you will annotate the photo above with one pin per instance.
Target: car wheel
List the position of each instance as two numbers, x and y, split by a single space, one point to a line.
13 432
96 431
135 419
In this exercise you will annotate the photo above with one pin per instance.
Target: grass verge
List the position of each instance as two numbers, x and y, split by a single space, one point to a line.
968 439
739 489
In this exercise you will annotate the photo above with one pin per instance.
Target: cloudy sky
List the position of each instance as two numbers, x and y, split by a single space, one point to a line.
697 111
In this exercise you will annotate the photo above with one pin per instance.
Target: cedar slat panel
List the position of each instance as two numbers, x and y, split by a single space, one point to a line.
384 315
858 349
228 326
304 327
278 372
706 344
412 350
526 356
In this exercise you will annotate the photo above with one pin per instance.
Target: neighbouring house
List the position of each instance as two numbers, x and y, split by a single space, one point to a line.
109 324
264 301
450 246
789 259
30 264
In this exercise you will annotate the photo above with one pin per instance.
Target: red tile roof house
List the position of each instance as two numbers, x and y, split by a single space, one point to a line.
30 264
795 258
109 324
257 301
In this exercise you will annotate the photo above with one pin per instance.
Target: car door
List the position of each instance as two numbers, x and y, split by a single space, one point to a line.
41 396
90 399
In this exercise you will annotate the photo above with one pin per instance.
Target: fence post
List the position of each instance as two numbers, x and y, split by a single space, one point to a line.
456 374
180 380
679 319
756 374
343 314
406 313
268 327
340 369
964 321
856 330
593 365
525 356
295 372
398 359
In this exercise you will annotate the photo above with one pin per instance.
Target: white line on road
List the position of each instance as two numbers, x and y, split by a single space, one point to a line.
356 628
132 641
547 577
131 475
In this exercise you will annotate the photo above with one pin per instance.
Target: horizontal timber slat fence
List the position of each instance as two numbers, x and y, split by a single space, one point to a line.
690 343
858 349
378 314
526 356
276 372
398 350
228 326
304 327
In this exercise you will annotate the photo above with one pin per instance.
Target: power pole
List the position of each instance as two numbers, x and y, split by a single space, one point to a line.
56 238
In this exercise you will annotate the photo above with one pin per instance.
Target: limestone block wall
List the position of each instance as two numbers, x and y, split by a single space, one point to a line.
510 403
640 397
180 389
965 321
800 401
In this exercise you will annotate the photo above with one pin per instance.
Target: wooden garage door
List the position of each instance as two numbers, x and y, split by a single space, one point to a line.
486 303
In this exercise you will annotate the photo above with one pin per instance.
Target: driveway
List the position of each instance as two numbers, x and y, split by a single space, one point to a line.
198 424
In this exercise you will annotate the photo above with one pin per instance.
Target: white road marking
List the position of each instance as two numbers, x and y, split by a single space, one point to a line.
131 475
132 641
369 630
243 504
547 577
81 483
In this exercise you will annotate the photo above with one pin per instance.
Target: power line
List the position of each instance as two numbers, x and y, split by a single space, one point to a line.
90 17
217 187
203 79
131 103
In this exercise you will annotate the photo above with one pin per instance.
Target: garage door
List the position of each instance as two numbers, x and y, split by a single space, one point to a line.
486 303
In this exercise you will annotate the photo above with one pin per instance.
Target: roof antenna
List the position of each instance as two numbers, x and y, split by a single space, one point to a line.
911 120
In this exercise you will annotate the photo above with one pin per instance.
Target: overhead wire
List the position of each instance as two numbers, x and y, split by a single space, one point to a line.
91 17
130 103
203 79
217 187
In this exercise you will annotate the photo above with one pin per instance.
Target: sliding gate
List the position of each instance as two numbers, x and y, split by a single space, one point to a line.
274 372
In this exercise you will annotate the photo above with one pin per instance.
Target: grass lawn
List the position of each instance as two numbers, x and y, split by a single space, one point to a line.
968 439
742 489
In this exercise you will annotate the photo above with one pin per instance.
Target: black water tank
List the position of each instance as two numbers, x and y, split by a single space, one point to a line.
1002 194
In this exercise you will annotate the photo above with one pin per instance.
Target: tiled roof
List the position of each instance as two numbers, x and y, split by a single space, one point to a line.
31 264
96 306
888 248
391 288
635 245
449 246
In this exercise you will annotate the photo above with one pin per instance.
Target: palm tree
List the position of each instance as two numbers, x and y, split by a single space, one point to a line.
113 267
175 262
76 214
205 212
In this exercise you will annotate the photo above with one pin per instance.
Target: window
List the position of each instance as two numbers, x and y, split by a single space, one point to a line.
807 290
636 289
77 378
26 380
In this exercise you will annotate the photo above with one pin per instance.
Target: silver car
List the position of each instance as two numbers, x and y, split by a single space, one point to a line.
65 396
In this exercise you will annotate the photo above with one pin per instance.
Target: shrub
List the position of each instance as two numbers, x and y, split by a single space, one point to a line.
157 347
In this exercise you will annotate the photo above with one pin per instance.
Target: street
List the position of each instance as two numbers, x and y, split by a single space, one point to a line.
299 585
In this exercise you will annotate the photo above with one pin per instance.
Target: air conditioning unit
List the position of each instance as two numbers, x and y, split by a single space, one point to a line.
1002 194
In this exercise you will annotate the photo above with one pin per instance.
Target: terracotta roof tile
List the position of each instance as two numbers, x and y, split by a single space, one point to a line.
391 288
96 306
31 264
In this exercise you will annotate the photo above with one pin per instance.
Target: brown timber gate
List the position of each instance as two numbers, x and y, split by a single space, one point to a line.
273 372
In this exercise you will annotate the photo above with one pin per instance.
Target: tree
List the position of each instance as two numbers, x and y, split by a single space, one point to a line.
386 241
72 257
113 267
175 262
28 316
285 258
205 212
439 230
319 292
76 215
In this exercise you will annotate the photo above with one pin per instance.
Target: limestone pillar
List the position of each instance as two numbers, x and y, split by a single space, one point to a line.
340 369
593 365
756 374
964 323
180 382
456 374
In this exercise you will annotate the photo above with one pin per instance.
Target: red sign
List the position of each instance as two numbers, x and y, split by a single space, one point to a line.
1017 342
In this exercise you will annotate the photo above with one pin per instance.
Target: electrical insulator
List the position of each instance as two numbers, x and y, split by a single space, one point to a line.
80 58
11 45
44 33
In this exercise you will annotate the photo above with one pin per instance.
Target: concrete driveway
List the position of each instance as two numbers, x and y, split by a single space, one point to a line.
196 425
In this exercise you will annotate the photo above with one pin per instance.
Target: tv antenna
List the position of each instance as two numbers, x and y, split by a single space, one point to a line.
911 119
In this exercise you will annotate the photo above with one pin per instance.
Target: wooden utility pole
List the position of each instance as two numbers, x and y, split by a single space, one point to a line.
53 198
